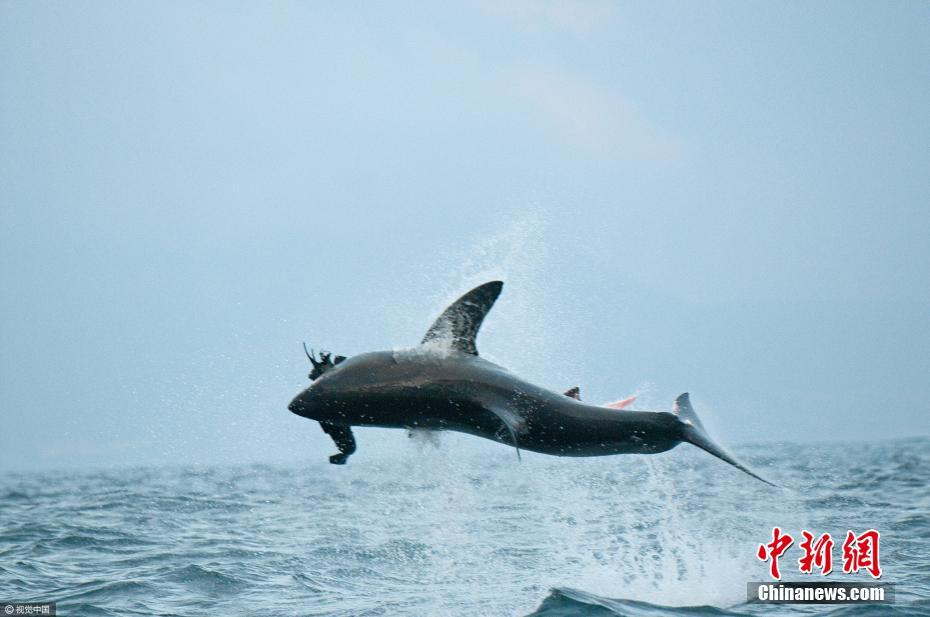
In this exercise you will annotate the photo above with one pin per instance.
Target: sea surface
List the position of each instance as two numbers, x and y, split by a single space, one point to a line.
451 529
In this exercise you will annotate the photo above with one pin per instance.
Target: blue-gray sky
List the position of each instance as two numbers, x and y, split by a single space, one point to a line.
729 198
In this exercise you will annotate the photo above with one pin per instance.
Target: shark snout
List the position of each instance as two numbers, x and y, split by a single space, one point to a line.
304 403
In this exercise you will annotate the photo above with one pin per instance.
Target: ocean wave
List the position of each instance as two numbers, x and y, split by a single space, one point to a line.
566 602
574 603
454 532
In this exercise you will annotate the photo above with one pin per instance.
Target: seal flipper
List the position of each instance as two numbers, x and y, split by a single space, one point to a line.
345 441
458 325
573 392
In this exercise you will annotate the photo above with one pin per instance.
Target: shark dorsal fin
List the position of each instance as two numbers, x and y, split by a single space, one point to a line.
458 325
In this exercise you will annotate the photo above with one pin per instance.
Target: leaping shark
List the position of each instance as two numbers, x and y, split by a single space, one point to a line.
443 384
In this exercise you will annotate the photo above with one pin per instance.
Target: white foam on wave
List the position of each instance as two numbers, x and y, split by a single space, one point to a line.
677 528
636 536
670 529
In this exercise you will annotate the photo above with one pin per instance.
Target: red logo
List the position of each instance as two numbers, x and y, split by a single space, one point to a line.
773 550
859 552
819 553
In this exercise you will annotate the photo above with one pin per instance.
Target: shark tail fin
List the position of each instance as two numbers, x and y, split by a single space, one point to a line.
695 434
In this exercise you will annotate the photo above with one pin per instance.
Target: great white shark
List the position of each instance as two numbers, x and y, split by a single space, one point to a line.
443 384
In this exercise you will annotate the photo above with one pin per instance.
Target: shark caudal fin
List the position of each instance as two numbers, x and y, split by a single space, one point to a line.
695 434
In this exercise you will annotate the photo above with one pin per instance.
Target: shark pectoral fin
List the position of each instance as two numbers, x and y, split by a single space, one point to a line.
516 444
506 430
345 441
512 422
458 325
573 392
